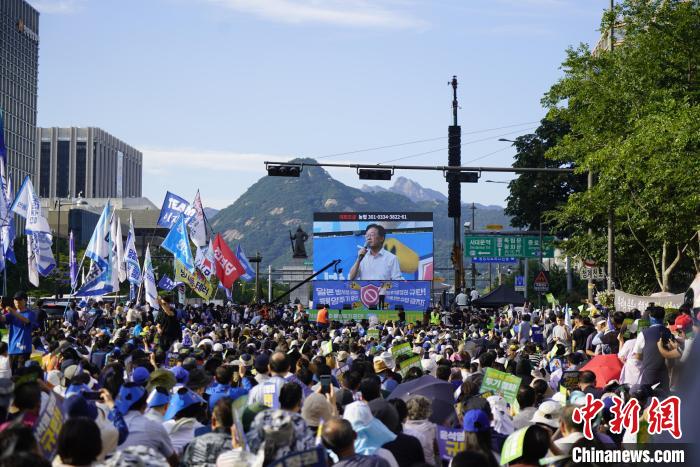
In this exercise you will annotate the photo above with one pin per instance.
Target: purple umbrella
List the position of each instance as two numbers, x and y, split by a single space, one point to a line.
440 392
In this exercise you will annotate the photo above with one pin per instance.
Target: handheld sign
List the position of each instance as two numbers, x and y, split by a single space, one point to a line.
499 382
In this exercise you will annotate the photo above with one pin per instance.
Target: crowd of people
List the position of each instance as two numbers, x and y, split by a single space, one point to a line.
268 385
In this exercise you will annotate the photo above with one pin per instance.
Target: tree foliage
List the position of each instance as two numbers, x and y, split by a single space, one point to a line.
634 119
534 193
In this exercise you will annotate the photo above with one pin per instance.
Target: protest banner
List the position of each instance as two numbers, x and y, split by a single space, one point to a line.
450 442
196 281
401 349
373 333
499 382
409 363
513 447
48 426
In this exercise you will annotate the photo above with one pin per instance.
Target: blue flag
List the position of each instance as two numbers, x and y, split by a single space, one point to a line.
177 242
173 206
72 262
99 278
249 273
8 228
166 283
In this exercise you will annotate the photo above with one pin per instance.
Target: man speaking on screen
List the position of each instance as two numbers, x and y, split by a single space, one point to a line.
379 264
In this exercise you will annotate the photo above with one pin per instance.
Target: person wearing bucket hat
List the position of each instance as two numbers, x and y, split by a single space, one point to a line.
181 375
181 418
143 431
282 433
548 414
157 402
339 436
140 376
371 434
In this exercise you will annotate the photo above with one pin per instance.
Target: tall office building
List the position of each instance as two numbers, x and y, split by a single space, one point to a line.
19 65
85 161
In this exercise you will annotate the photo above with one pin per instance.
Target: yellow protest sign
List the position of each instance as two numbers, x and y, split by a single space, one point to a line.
196 281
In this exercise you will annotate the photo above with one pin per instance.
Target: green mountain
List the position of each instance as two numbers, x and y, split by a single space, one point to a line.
263 216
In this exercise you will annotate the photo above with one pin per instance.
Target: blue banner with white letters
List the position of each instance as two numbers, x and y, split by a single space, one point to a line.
173 206
412 295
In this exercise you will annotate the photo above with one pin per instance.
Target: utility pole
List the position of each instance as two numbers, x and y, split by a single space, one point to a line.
454 204
473 208
269 283
611 211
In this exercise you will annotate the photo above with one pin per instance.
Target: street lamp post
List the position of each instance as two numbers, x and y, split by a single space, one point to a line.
57 205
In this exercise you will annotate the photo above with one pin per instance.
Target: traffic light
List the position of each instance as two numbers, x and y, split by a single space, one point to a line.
454 159
284 170
375 174
462 177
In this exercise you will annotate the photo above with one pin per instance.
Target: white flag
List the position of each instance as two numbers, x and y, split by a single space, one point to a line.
113 256
121 260
204 261
197 224
131 258
149 280
39 239
32 262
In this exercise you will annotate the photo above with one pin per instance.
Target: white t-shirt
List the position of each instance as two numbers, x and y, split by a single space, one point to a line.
5 368
145 432
382 266
181 432
461 299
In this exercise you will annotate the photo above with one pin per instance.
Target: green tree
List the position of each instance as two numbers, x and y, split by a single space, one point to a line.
533 193
634 118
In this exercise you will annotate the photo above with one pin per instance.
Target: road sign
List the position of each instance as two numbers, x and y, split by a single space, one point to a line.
520 283
495 259
494 227
514 246
541 283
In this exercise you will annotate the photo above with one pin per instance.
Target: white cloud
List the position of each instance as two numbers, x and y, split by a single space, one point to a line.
57 6
158 161
222 176
356 13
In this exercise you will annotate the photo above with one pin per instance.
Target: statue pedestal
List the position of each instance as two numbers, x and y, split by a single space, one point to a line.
294 273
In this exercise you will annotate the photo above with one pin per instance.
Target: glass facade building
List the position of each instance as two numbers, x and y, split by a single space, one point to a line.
19 64
86 161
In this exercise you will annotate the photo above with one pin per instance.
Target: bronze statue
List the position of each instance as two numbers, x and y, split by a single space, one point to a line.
298 239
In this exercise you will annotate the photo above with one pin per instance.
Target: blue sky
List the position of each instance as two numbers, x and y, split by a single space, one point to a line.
209 89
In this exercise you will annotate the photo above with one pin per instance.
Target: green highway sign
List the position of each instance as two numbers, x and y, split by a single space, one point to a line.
516 246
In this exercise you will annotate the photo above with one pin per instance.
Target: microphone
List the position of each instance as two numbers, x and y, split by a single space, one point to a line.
366 246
